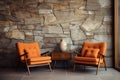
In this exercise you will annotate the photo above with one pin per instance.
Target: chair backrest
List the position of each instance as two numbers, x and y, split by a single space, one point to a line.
95 45
32 49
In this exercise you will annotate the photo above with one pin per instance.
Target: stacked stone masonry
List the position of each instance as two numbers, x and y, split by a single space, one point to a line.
49 21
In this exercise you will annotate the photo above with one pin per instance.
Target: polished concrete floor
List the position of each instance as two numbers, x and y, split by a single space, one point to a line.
40 73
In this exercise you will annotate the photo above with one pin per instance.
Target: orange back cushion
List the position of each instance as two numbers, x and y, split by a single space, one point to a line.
93 53
32 49
95 45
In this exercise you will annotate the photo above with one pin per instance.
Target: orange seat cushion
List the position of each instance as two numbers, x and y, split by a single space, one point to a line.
39 60
87 60
93 53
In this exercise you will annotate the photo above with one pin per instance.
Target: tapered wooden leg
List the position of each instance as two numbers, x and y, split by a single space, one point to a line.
84 67
105 64
50 67
28 70
74 67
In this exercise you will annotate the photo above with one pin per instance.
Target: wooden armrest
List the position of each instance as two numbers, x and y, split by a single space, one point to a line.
77 53
102 55
46 53
24 54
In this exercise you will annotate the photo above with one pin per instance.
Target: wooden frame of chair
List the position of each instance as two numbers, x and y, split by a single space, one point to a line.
28 66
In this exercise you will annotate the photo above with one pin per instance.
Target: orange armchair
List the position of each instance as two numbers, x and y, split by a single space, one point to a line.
30 54
92 54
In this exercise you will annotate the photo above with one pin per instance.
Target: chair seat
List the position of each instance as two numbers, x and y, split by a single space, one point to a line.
87 60
40 60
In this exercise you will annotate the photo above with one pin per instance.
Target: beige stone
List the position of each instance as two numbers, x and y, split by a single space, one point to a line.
77 4
6 23
65 25
60 7
49 18
80 11
16 34
66 16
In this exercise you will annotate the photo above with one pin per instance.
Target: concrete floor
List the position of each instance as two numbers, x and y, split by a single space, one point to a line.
40 73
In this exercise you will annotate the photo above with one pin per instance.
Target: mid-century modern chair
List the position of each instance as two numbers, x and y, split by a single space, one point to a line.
92 54
30 54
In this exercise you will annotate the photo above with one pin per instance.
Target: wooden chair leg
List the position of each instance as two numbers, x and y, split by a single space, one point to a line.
105 65
97 68
74 67
50 67
28 70
84 67
54 63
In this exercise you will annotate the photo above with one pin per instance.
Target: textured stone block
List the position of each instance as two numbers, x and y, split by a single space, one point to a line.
93 5
52 29
38 38
77 34
77 4
34 20
37 33
49 18
16 34
45 11
60 6
92 23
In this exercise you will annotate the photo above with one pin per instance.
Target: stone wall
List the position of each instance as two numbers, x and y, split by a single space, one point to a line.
48 21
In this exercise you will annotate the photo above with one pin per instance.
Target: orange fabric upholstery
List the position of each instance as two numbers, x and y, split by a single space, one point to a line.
100 45
33 56
92 54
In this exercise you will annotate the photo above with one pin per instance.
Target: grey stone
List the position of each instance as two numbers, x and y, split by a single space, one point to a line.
68 40
4 42
6 29
34 20
64 17
104 12
37 33
52 29
104 38
65 25
105 3
29 38
74 27
28 32
93 5
45 11
49 45
77 34
12 27
92 23
49 18
38 38
49 40
28 27
57 35
104 29
66 31
107 18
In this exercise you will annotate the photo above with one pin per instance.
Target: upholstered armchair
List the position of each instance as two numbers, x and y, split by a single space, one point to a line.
91 54
30 54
